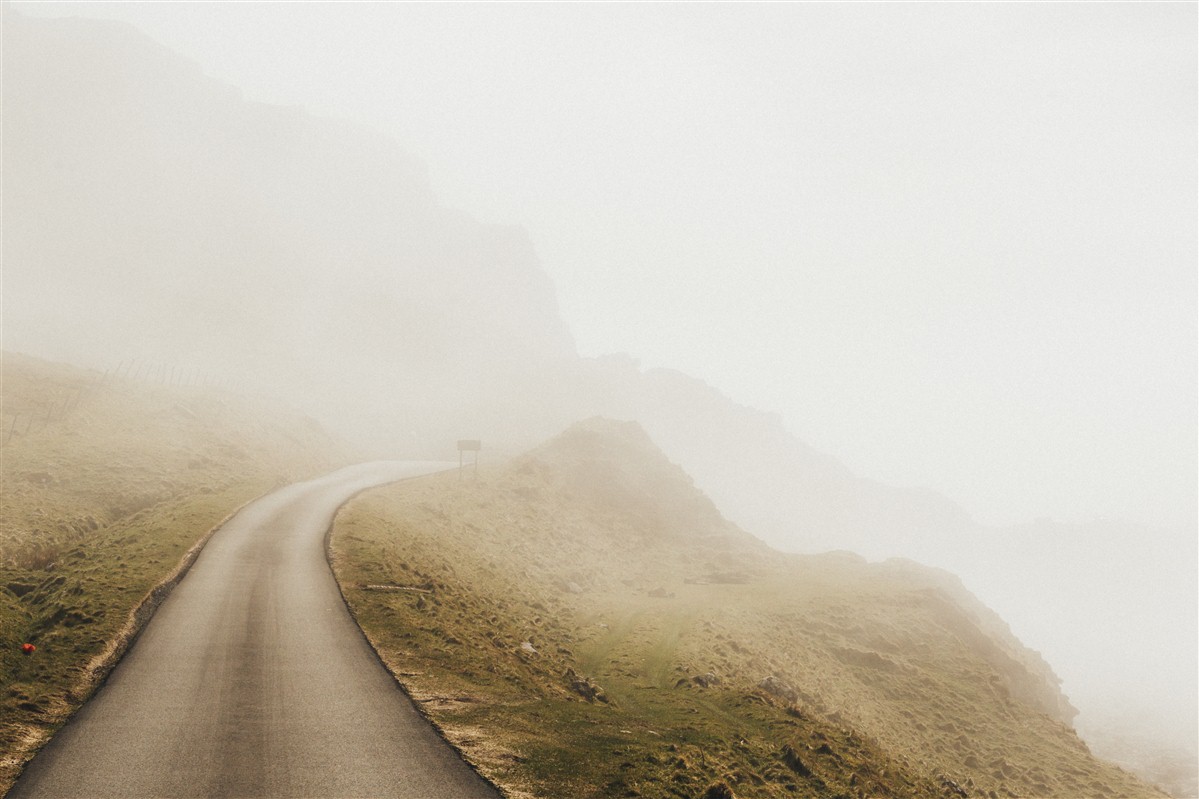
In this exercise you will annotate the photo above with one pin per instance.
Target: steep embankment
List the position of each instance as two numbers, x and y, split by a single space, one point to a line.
107 484
584 622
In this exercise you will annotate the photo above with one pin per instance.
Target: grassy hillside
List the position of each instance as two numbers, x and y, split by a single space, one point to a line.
106 486
582 622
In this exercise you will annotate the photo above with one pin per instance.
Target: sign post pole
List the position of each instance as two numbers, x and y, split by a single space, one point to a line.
468 445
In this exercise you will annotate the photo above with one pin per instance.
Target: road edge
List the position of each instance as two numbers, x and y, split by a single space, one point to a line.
395 676
96 672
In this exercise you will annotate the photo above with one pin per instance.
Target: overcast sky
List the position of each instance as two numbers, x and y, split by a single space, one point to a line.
953 245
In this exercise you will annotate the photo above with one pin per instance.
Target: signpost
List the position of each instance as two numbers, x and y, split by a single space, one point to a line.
468 445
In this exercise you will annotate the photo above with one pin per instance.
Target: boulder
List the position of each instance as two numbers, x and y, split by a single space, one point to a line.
778 687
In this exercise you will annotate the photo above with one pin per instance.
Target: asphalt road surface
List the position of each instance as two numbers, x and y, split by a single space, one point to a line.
252 680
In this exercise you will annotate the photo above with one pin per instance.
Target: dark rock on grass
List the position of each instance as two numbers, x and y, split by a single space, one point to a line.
585 687
952 788
777 687
796 712
719 790
706 680
792 760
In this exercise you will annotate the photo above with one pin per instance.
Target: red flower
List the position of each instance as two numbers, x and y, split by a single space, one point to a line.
28 648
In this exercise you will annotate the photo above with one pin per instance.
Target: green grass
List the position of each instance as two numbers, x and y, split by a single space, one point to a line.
902 682
102 498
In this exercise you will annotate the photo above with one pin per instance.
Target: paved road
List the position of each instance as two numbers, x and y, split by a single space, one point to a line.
252 680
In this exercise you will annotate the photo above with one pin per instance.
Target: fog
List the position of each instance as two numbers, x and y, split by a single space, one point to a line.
944 248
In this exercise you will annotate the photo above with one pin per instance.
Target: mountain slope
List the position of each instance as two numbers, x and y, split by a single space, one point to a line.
584 622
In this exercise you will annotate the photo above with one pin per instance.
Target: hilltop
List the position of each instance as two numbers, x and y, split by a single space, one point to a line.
583 621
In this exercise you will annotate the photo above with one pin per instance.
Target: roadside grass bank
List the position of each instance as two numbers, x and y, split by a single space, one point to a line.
102 498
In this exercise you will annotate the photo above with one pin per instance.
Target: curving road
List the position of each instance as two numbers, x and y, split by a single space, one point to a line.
252 680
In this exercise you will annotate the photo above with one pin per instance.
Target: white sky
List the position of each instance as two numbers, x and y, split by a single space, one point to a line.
953 244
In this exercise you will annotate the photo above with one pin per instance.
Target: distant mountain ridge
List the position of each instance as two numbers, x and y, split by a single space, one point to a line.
152 212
